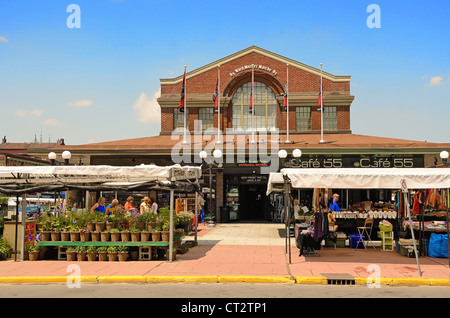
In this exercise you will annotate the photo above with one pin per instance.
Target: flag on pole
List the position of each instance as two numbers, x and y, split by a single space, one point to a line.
251 96
215 96
285 97
320 102
183 84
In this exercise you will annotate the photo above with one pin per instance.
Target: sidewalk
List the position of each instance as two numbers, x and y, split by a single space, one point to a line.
242 252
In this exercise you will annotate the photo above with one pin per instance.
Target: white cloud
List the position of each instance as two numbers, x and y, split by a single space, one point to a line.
3 39
81 103
436 81
52 122
33 113
148 110
36 113
20 113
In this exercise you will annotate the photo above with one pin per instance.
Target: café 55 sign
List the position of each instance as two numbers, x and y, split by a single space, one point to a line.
353 161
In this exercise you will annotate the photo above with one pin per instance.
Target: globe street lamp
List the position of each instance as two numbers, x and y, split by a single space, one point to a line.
444 157
217 154
52 157
66 156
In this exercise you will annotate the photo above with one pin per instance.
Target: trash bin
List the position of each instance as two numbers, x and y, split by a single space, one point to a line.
224 214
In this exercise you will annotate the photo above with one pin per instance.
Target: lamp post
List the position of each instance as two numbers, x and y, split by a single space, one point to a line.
297 153
444 158
66 156
282 154
217 154
52 157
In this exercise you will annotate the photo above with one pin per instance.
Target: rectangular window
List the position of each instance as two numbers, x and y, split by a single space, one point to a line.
178 119
302 118
206 117
330 118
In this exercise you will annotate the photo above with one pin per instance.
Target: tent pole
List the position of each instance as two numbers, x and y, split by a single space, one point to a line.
17 226
406 203
24 221
171 226
196 216
448 237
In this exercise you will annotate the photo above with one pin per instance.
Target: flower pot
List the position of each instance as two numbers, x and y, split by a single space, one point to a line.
135 236
156 236
71 256
84 236
104 236
55 236
115 236
81 256
74 236
151 226
165 236
140 225
95 236
125 236
65 236
145 236
102 256
112 257
99 226
33 255
110 225
91 256
45 236
123 256
90 226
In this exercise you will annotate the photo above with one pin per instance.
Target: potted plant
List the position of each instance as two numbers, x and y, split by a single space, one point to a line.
135 234
99 221
74 231
104 236
151 221
65 234
90 221
71 253
115 234
122 252
112 253
141 220
102 253
45 228
95 236
91 253
165 233
156 235
56 226
125 235
81 253
111 222
184 220
84 234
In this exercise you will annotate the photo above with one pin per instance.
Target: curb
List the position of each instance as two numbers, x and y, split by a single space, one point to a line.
402 281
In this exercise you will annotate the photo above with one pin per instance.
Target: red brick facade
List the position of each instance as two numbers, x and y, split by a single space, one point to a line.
270 69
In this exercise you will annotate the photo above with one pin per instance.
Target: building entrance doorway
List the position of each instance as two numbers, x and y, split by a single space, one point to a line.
253 202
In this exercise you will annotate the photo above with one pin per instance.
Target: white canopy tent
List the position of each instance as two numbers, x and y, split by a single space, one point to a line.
361 178
15 180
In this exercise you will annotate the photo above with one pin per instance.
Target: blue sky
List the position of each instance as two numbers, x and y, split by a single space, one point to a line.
99 82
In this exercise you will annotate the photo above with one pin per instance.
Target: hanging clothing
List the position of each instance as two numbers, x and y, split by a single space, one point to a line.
418 202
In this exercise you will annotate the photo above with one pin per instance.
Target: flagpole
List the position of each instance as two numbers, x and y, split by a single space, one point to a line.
253 110
287 105
218 106
184 106
321 106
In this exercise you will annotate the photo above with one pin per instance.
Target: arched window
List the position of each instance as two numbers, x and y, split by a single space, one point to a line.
264 104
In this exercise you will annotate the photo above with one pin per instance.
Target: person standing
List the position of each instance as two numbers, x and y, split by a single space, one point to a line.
145 206
201 203
99 206
335 205
153 205
129 204
111 208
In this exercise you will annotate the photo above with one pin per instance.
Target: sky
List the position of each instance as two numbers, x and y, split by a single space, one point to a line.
93 75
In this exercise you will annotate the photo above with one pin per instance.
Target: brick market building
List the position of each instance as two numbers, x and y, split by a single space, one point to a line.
240 174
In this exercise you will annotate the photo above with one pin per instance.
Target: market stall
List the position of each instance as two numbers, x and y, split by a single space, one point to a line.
21 180
361 178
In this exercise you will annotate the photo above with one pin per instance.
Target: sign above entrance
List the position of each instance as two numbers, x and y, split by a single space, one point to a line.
255 66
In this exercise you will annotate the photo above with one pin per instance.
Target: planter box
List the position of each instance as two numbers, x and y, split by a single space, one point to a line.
123 256
33 255
99 226
81 256
71 256
156 236
91 256
74 236
102 256
45 236
135 236
104 236
165 235
84 236
112 257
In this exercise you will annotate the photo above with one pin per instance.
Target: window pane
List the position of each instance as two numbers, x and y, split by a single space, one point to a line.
303 118
264 104
206 116
178 119
330 118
